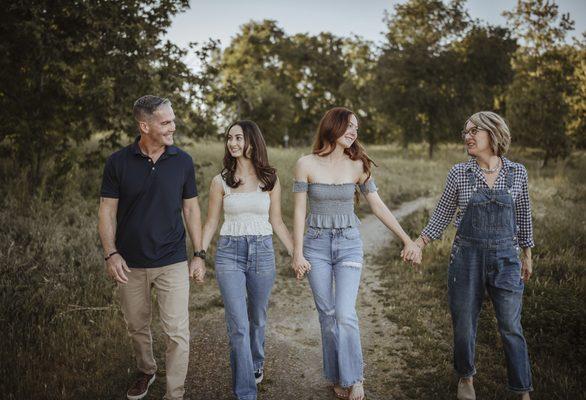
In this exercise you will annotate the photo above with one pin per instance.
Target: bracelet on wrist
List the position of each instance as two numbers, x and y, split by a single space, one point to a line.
110 255
424 239
201 254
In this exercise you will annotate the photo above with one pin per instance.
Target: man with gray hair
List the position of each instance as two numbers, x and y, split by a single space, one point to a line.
145 188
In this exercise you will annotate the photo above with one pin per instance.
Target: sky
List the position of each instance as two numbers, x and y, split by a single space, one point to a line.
221 19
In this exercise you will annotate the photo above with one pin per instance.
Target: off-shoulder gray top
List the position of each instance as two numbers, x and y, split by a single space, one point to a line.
331 205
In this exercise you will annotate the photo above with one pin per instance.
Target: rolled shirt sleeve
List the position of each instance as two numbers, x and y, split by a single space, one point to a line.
445 209
523 214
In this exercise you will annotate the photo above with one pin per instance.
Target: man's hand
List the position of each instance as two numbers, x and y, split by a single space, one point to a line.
197 269
116 268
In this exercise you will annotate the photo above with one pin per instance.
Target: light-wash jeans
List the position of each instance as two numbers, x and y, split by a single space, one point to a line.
336 258
245 270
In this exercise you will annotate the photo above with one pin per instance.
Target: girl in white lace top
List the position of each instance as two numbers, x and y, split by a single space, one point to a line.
245 213
250 193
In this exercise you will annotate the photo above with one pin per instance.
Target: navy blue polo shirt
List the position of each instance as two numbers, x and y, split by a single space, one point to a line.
149 231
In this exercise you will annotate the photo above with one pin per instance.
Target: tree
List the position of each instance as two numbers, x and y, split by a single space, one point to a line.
285 83
537 99
252 83
484 69
576 99
71 68
415 74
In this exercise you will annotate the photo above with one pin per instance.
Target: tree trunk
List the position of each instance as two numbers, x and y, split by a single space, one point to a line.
431 147
545 159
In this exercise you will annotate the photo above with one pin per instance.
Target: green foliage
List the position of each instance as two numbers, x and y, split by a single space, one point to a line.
285 83
576 98
70 68
542 97
537 108
437 68
540 25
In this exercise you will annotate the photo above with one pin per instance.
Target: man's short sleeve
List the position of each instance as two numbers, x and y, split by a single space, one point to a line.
110 182
189 186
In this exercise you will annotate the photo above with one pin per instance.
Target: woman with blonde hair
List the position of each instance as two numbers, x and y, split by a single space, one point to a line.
493 220
331 250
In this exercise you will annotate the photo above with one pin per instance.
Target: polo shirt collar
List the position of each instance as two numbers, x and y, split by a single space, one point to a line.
169 150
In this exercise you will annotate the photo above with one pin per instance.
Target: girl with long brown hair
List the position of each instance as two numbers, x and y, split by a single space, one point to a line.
331 252
249 191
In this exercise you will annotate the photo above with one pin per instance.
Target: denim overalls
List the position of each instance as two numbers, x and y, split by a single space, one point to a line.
485 256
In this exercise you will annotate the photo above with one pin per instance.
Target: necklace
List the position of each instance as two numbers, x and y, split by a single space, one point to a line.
491 170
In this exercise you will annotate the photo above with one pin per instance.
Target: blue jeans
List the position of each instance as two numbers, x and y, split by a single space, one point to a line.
494 265
336 258
245 270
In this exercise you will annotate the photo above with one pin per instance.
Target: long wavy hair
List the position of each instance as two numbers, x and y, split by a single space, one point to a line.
331 127
255 142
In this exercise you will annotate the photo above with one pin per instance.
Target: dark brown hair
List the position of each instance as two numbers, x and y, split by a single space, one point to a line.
254 140
331 127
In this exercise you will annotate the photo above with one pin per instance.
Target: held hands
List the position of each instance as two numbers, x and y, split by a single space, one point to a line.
197 269
301 266
116 268
411 252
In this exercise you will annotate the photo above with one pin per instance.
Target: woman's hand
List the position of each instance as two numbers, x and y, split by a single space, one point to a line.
301 266
411 252
526 267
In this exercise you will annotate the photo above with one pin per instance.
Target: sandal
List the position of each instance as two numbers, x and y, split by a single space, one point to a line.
341 393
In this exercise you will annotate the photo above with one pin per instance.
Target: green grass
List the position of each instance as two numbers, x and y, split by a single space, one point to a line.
553 314
64 335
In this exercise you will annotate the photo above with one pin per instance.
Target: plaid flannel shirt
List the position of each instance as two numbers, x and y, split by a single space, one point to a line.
458 191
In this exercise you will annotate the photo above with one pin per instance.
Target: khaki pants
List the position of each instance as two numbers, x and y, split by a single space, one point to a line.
171 283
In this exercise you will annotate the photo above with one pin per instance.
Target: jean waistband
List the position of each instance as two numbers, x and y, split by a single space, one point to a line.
246 237
466 241
332 231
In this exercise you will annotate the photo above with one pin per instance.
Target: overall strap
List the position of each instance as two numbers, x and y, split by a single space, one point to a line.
510 178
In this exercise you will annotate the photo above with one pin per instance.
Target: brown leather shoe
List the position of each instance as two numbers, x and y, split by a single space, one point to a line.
140 387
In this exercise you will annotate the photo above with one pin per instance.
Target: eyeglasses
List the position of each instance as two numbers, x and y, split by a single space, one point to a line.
472 132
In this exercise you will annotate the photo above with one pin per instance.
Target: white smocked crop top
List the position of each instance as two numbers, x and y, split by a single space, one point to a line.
246 213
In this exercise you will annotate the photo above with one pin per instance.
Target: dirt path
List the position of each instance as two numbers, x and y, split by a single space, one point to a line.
293 345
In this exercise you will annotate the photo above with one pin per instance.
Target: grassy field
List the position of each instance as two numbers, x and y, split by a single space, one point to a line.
63 332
